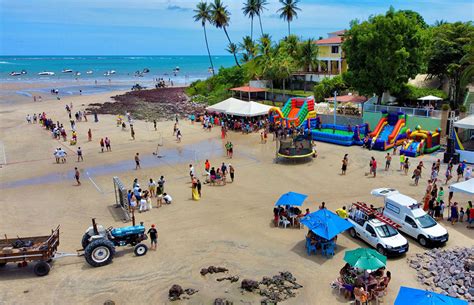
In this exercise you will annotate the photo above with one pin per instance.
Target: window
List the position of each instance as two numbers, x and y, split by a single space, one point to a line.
392 207
426 221
335 49
370 229
409 221
386 231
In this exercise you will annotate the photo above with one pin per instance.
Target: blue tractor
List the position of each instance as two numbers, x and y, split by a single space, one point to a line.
99 243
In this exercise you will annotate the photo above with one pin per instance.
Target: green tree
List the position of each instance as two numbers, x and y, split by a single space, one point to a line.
248 45
250 10
288 11
260 7
232 48
467 75
221 18
448 45
307 57
203 14
384 52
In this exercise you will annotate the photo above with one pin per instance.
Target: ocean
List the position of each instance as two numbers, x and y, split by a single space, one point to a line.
125 67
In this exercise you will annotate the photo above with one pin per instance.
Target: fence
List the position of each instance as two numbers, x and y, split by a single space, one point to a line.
121 198
409 111
341 119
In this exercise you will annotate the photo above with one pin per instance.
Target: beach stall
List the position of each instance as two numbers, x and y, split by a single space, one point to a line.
248 109
286 209
466 187
223 106
249 90
464 142
324 226
412 296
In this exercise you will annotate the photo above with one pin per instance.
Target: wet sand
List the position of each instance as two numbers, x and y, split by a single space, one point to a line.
230 226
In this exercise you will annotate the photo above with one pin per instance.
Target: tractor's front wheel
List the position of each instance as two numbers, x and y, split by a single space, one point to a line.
99 252
140 249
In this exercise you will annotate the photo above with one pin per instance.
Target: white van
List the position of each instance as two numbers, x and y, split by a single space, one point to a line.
413 221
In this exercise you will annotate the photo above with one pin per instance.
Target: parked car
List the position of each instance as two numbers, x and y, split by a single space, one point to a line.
412 219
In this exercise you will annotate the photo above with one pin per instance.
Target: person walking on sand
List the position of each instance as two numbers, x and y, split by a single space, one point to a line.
406 166
388 159
207 166
231 150
132 132
153 237
191 172
79 154
199 186
154 124
137 161
373 166
108 146
89 135
402 162
345 161
102 144
231 172
178 136
175 128
77 175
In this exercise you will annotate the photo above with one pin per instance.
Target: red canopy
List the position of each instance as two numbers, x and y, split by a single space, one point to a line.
248 89
348 99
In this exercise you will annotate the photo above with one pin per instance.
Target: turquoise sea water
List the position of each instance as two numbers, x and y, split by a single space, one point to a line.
190 67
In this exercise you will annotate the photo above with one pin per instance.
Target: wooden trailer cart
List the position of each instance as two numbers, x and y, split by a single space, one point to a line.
38 249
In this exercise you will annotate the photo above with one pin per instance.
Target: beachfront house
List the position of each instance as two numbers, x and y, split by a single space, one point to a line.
331 59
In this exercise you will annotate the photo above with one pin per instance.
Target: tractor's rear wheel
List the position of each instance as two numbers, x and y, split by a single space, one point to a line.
41 268
85 240
3 265
140 249
99 252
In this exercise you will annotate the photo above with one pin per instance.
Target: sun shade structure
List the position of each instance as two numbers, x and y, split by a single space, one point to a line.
224 105
291 199
466 187
325 223
366 259
466 123
430 98
249 90
412 296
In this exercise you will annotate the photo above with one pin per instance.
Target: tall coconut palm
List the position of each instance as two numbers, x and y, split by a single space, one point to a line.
307 57
220 18
259 7
249 10
203 14
232 48
288 11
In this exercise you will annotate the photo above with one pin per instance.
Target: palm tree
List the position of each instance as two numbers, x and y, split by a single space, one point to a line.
259 7
248 45
203 14
307 57
232 48
220 18
288 11
249 9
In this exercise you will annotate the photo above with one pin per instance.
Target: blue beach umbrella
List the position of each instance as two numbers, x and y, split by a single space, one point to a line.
412 296
291 199
325 223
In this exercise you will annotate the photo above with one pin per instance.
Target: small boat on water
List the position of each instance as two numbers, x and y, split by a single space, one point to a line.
176 70
146 70
15 73
77 73
46 73
66 71
89 72
23 72
112 71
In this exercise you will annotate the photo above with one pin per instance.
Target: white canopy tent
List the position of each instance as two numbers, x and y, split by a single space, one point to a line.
466 123
466 187
233 106
224 105
430 98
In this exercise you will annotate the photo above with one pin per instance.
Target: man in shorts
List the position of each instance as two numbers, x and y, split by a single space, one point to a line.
153 237
137 161
77 175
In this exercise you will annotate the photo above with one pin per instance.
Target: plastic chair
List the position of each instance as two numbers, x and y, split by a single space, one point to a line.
328 249
284 221
309 247
338 284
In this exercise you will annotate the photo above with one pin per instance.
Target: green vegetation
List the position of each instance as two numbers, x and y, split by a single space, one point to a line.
327 87
412 93
216 88
384 52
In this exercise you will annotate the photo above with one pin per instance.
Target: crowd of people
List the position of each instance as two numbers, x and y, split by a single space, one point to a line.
361 284
142 199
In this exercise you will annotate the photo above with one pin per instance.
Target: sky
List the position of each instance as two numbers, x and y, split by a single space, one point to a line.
165 27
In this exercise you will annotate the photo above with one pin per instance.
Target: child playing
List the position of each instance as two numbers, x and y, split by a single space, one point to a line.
461 214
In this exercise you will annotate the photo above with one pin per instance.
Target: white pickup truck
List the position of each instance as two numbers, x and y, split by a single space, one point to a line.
383 237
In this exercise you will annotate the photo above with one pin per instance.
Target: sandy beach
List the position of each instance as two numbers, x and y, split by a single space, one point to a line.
231 226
